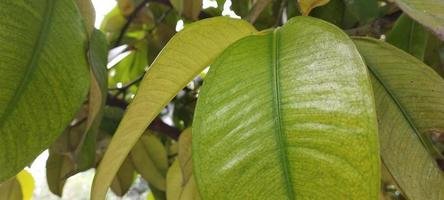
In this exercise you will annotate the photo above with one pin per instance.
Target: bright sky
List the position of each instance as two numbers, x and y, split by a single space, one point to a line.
104 6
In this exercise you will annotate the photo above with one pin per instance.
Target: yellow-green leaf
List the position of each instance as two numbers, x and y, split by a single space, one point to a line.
172 70
88 14
287 114
124 179
184 157
176 188
43 77
174 181
150 159
307 5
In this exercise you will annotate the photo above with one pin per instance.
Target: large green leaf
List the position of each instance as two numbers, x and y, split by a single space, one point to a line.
43 77
409 36
430 13
409 104
287 115
184 57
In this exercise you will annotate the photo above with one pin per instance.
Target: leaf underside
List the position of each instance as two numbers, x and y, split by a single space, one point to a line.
182 59
43 77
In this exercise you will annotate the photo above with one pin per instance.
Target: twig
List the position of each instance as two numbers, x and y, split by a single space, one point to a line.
257 9
131 17
280 14
157 125
128 85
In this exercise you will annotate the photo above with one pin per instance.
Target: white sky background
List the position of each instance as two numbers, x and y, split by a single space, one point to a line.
104 6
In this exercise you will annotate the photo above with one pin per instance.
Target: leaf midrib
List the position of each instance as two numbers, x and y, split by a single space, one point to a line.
277 115
32 65
409 119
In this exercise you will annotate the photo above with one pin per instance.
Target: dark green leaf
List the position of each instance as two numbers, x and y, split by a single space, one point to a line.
409 36
43 77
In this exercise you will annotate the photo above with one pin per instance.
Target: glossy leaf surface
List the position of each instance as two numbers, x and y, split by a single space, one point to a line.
409 106
289 115
184 57
43 77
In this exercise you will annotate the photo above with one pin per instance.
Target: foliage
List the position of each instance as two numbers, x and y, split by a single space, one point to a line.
303 99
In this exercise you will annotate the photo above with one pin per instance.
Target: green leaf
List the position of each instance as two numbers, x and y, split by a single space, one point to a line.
188 8
173 69
308 125
409 104
409 36
307 5
429 13
124 179
98 57
364 10
184 155
176 188
58 166
43 77
149 158
434 54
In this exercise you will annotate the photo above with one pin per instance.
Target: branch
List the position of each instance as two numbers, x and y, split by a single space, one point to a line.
128 85
156 125
133 15
257 9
